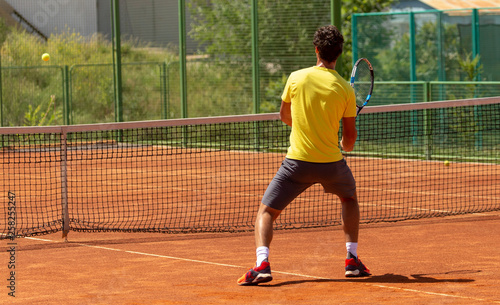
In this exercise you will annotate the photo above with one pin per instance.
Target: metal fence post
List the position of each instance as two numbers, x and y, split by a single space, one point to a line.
117 60
182 58
66 97
163 82
336 16
255 57
1 94
475 40
354 31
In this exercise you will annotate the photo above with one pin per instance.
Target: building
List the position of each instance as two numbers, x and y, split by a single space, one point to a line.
425 5
151 21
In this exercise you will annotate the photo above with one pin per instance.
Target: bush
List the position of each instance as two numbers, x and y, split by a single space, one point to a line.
150 81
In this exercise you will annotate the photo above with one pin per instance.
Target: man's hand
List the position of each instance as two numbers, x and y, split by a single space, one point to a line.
286 113
349 134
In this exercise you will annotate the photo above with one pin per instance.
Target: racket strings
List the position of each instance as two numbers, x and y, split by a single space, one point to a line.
362 83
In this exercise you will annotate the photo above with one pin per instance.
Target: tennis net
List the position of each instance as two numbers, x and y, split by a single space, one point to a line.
208 174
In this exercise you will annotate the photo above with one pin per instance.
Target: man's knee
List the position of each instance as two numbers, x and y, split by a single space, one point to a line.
265 210
352 199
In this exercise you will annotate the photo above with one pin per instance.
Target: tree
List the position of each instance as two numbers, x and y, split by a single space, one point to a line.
377 31
286 28
223 27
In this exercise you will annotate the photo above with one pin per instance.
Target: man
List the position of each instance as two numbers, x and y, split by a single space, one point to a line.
314 101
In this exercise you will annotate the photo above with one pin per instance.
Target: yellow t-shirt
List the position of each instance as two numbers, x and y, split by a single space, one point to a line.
320 98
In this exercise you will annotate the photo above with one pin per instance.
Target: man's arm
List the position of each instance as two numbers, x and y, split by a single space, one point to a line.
349 134
286 113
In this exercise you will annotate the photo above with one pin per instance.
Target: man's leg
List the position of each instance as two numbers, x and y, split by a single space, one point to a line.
261 273
350 220
264 225
280 192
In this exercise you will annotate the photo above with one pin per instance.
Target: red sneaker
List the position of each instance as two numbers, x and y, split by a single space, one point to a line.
354 267
256 275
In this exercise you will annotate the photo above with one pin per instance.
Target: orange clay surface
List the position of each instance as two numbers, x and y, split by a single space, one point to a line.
451 260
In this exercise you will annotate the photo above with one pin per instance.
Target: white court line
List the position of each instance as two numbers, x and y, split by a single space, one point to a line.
420 193
428 193
280 272
399 207
435 293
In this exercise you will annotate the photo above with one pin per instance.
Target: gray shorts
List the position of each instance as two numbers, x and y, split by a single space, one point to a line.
294 177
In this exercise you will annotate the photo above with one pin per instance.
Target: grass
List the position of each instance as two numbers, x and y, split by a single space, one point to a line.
150 80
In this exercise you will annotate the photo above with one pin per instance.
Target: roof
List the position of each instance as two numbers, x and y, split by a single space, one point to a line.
458 4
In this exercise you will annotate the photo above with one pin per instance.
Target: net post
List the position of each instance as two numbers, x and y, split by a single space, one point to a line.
64 185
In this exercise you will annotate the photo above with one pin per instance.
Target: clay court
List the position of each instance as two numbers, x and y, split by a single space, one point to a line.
441 260
429 231
451 260
160 189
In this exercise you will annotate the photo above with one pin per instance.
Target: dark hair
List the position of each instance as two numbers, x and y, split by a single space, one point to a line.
329 42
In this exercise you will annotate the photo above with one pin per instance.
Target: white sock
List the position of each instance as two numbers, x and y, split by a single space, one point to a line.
262 254
352 248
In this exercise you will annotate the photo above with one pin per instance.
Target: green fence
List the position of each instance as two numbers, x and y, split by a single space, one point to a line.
197 58
83 94
430 45
91 88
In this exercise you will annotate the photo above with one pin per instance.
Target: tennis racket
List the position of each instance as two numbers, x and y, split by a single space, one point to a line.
362 82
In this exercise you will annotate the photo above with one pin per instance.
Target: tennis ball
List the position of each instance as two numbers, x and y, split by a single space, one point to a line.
446 163
45 57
